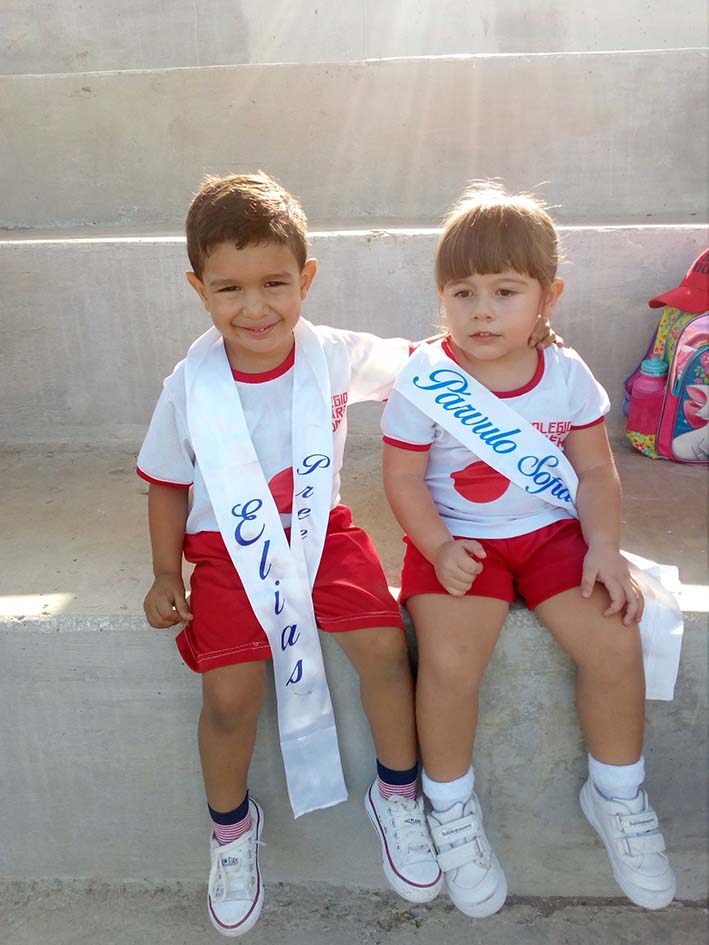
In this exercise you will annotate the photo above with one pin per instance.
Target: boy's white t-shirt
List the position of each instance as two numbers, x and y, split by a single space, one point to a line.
474 500
362 367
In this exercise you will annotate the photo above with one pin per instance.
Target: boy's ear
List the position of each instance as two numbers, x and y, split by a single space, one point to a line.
198 286
306 277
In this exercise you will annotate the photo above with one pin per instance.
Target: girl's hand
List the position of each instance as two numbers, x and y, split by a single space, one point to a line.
609 567
456 568
543 335
165 603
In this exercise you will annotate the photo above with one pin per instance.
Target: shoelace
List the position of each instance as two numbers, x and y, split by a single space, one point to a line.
237 880
409 828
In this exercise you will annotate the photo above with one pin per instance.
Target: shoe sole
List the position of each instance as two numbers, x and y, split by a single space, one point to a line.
406 890
255 913
641 897
489 906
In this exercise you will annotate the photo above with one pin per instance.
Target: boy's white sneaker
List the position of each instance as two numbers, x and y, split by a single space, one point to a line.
235 894
474 877
408 858
631 834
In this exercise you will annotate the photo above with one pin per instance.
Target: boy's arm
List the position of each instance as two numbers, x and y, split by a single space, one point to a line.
598 502
165 604
415 511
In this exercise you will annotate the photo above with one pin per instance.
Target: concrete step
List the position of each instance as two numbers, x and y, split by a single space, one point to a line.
72 913
65 36
362 142
91 326
106 711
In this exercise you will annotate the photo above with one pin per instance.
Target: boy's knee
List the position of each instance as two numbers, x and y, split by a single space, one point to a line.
233 699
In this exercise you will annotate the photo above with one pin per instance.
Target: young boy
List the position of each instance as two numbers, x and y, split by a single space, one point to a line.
254 421
240 446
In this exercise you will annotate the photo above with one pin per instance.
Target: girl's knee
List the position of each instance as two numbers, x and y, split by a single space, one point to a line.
616 656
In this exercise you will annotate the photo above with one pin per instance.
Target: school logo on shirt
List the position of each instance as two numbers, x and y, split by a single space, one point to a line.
554 430
339 406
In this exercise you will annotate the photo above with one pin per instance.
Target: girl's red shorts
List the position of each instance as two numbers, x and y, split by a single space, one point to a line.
350 593
535 566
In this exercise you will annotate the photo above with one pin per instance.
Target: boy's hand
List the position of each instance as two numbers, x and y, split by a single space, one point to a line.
609 567
543 335
165 603
456 568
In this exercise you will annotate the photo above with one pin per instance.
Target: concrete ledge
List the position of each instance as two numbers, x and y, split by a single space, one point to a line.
60 37
107 754
92 326
376 148
100 714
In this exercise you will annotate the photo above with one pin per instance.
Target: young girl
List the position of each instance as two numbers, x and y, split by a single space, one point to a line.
488 514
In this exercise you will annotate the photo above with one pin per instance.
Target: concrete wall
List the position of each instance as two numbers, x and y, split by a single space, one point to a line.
91 327
107 715
362 143
74 36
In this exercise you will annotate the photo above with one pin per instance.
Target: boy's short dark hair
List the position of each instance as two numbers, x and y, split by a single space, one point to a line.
244 209
488 231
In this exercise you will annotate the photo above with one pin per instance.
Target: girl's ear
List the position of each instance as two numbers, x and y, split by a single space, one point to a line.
551 296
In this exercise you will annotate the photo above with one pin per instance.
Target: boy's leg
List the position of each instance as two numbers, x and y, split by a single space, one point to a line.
232 697
456 638
610 697
232 700
381 658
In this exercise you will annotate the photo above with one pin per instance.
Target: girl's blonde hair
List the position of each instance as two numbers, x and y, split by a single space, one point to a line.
489 230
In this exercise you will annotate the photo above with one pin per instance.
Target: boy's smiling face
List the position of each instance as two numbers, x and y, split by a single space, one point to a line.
254 296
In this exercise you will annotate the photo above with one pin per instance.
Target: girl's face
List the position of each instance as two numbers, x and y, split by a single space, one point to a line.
491 316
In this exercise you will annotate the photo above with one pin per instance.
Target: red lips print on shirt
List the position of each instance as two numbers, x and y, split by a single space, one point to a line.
480 483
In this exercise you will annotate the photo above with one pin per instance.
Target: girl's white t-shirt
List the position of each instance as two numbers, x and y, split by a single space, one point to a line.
362 367
474 500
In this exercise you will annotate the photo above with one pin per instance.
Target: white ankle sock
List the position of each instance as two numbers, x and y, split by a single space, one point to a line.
444 794
621 781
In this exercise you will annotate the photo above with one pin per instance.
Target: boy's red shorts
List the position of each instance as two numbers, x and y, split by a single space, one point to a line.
350 593
535 566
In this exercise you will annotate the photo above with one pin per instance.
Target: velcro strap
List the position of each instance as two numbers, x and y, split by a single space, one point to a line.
465 828
646 843
644 822
458 856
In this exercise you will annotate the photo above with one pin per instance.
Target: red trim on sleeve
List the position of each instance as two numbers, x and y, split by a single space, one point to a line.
161 482
594 423
413 447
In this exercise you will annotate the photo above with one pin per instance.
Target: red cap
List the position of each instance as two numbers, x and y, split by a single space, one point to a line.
693 293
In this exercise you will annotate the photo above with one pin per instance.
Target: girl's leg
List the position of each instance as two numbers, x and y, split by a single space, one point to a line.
610 684
610 696
456 637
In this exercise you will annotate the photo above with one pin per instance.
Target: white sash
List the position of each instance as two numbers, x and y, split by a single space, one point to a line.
509 444
277 578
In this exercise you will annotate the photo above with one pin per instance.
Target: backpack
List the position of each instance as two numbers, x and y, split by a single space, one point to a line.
682 340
